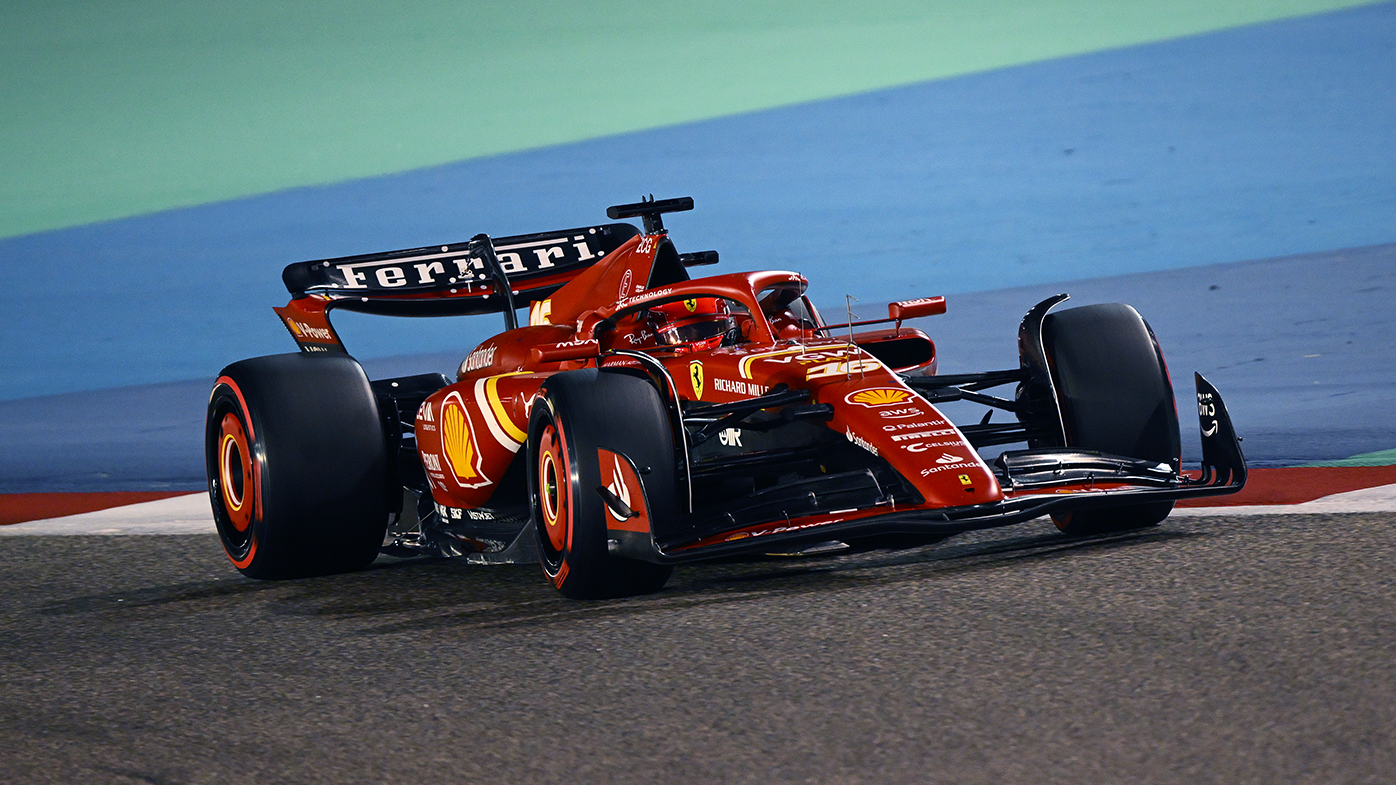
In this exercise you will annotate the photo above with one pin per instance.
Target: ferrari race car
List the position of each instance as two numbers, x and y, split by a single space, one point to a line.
644 418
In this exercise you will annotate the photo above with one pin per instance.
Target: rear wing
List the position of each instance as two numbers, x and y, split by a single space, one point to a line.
530 261
480 276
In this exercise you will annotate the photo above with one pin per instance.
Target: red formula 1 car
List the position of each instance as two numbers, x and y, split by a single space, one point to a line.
644 418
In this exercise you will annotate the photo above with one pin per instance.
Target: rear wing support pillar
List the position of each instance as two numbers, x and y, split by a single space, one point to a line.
482 248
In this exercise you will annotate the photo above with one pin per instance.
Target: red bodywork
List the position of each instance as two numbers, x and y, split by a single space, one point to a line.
470 432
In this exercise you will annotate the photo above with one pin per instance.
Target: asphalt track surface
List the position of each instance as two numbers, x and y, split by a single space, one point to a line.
1220 649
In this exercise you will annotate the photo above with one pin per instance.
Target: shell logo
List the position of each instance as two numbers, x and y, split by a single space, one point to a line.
878 397
458 444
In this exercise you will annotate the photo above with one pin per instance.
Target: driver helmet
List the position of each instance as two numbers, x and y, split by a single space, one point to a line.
698 322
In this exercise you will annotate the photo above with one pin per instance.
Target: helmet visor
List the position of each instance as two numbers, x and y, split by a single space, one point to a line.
694 330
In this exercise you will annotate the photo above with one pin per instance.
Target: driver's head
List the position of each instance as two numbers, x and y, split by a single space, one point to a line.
698 322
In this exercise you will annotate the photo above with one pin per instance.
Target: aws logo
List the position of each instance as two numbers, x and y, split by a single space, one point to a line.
458 444
877 397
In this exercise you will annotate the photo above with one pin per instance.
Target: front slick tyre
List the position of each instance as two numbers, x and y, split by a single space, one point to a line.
578 414
1116 398
297 466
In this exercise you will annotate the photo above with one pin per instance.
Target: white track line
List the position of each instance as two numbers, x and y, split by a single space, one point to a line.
190 514
1379 499
176 515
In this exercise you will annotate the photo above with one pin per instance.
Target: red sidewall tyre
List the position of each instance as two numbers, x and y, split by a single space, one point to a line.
297 466
577 413
551 484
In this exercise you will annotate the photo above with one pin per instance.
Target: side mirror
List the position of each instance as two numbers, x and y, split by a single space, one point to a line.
911 309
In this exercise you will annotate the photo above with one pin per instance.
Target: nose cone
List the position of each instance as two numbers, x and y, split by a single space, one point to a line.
889 420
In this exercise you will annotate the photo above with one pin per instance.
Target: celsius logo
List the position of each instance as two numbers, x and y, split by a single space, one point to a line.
878 397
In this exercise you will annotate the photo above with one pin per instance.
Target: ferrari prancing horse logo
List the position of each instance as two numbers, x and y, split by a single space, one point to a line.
695 375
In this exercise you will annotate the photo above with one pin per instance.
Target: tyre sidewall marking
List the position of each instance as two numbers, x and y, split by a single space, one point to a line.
567 506
244 416
235 470
551 501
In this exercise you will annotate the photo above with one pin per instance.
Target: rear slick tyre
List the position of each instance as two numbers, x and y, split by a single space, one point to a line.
577 414
1115 398
297 466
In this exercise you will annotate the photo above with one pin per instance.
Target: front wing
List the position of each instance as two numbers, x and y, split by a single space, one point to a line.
1035 483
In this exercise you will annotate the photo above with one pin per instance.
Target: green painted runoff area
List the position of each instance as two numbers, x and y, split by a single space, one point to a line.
1379 458
117 109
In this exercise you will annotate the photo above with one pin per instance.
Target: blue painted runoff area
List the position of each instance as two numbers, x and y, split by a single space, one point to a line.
1257 142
